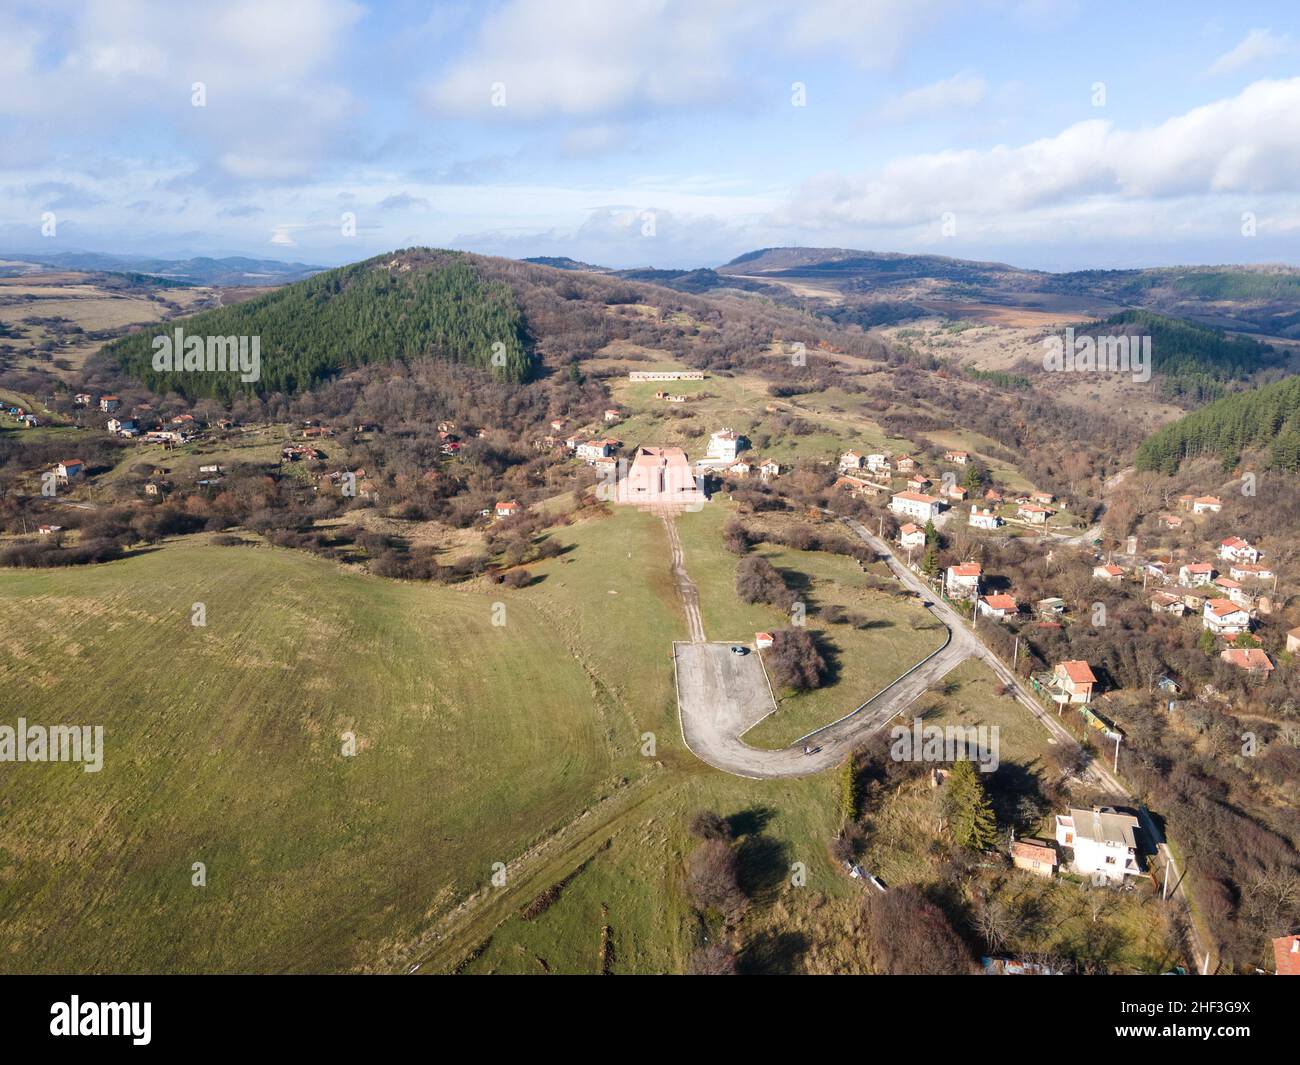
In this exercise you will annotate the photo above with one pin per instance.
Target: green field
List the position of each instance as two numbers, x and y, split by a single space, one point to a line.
477 744
864 661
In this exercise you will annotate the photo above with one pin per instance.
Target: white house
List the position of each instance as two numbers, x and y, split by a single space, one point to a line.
1195 573
508 509
916 505
997 606
725 445
1250 571
963 582
912 536
959 457
592 450
1223 617
1033 513
1235 549
878 463
984 519
1111 574
769 469
1207 505
68 470
851 461
739 468
1103 843
1072 682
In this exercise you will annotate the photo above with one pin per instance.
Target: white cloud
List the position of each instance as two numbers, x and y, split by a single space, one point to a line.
588 58
1256 47
961 92
1247 144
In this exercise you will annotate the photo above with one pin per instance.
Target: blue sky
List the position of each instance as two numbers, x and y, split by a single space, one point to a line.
1045 133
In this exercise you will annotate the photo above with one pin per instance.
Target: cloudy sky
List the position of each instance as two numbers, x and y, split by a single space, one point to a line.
1047 133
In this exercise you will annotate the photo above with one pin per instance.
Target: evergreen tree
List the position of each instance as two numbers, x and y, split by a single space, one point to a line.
971 817
1206 642
930 564
931 533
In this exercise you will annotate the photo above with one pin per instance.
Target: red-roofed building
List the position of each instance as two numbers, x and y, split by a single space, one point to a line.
508 509
997 606
1074 681
911 536
1223 617
963 582
1286 955
1251 659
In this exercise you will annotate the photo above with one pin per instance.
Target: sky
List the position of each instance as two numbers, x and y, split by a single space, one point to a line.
1051 134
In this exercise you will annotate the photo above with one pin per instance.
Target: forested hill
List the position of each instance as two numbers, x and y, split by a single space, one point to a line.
401 305
1197 361
1267 418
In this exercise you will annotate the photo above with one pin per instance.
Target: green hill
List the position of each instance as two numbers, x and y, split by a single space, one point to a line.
1268 416
402 305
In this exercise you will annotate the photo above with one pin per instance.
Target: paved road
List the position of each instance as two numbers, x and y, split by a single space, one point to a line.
719 701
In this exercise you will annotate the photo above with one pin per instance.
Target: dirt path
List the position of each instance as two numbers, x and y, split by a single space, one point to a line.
685 586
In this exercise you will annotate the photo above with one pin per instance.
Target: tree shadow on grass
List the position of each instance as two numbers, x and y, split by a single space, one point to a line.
773 954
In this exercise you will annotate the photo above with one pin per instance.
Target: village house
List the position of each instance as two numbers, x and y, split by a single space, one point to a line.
1223 617
1112 574
508 509
1052 606
1234 591
1045 498
956 492
612 415
961 458
1251 659
1250 571
1167 603
48 530
1207 505
992 495
1172 521
109 404
904 464
1033 513
911 536
918 482
984 519
1293 640
916 505
1103 842
878 463
1072 682
998 606
594 449
851 461
769 469
1235 549
763 640
963 581
1196 573
725 445
1034 856
82 399
739 468
556 424
155 488
68 470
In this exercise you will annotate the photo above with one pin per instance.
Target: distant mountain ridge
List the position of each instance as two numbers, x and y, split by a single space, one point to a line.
201 270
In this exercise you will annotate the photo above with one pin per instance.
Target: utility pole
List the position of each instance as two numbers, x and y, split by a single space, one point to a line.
1164 893
1117 739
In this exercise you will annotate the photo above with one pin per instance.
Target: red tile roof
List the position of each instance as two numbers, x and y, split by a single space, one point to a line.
1079 672
1286 955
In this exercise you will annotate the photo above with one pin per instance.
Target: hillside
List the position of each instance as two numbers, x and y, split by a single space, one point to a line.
391 307
1267 417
